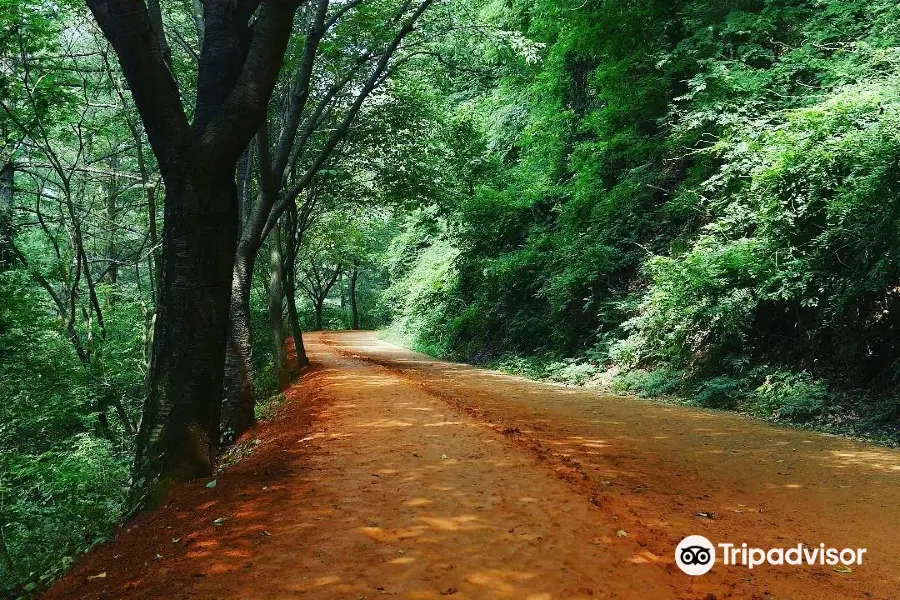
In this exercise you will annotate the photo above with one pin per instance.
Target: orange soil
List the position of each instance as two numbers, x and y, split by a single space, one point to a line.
391 474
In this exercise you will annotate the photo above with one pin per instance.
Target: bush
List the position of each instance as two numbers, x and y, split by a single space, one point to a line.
572 371
63 475
720 392
648 384
788 396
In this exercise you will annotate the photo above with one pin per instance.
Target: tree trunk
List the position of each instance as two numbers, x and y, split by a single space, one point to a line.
276 294
7 176
318 306
294 322
238 409
290 290
242 54
354 274
112 255
179 431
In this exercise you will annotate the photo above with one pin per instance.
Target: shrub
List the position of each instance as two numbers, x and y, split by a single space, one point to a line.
788 396
647 384
720 392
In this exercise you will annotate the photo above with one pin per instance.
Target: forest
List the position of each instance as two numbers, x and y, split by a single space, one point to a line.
690 200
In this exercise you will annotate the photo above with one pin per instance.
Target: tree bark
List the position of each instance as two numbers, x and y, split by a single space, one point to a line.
238 409
290 287
179 433
294 321
318 307
354 275
7 176
112 253
239 413
276 324
242 54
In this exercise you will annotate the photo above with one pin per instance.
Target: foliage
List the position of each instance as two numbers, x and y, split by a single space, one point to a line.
62 476
702 195
659 382
695 199
789 396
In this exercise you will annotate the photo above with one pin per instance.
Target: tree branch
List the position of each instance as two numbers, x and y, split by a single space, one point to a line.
128 27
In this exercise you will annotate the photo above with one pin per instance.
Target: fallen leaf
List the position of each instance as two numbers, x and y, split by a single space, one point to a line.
97 576
843 569
211 484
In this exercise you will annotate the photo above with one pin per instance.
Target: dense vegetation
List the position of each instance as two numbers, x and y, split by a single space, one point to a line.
696 199
688 198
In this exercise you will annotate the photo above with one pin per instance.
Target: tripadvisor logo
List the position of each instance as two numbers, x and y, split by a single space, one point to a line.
696 555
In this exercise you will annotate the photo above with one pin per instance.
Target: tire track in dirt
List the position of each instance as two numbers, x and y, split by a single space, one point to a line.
655 468
365 486
387 473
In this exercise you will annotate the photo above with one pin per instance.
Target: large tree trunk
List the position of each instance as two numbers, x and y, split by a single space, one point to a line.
242 54
276 294
238 409
354 274
179 431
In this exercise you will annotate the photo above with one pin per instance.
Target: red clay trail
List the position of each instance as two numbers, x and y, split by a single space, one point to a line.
388 473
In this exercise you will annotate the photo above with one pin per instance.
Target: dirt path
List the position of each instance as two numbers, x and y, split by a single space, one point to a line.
391 474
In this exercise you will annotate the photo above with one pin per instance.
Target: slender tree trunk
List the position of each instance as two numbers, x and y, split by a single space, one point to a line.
7 176
178 435
290 289
354 274
238 410
276 294
294 322
112 255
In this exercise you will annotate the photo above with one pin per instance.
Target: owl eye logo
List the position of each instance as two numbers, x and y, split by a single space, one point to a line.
695 555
